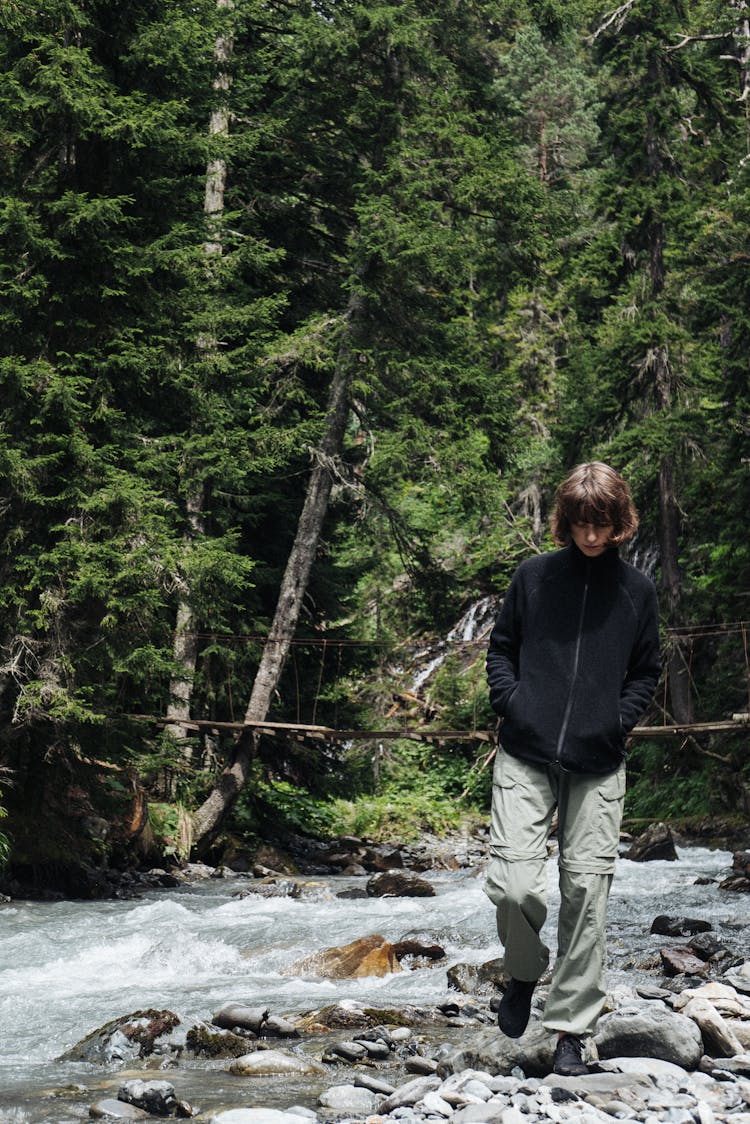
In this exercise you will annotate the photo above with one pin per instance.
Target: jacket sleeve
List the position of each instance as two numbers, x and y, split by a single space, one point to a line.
644 666
505 643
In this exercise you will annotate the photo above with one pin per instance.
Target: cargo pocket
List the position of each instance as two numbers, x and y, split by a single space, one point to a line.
522 805
611 803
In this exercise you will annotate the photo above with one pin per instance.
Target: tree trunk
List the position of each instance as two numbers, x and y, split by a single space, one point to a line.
678 670
185 644
294 583
208 817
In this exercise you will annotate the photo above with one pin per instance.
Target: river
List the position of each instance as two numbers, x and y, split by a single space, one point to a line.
67 968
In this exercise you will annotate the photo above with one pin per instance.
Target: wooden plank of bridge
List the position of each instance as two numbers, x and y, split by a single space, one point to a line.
328 733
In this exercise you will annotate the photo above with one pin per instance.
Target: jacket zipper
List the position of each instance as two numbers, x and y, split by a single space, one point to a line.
576 657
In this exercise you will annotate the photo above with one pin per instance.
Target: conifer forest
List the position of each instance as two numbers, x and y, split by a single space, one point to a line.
307 308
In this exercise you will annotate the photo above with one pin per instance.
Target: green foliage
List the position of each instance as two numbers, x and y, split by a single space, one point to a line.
543 212
170 825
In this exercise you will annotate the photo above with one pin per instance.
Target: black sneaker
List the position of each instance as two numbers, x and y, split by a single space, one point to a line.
568 1060
515 1007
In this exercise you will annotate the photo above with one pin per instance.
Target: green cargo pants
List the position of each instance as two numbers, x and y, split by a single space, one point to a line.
524 798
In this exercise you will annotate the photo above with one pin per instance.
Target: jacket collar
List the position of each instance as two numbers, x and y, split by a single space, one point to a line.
603 563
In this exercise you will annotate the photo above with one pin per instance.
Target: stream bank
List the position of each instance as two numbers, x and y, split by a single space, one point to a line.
70 967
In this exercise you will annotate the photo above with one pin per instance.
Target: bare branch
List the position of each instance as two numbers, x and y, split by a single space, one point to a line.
616 18
688 39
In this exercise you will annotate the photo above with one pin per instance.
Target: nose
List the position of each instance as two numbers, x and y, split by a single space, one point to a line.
592 533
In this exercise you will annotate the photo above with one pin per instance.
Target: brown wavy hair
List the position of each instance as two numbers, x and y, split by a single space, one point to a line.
594 493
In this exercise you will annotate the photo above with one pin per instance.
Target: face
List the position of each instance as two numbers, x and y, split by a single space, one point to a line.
592 539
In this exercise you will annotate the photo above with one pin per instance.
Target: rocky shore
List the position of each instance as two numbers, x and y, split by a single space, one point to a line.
677 1053
675 1048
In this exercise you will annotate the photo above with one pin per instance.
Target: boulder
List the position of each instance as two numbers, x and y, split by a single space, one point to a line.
655 842
649 1029
350 1099
488 1050
233 1016
276 1027
421 950
155 1097
279 861
399 884
374 1084
367 956
274 1061
382 858
407 1095
718 1038
110 1109
722 998
741 863
681 962
124 1039
478 979
679 926
204 1041
739 977
707 946
346 1051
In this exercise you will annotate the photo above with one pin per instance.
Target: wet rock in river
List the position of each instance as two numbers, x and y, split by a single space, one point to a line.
399 884
656 842
350 1099
649 1029
110 1109
492 1051
739 879
124 1039
204 1041
678 926
346 1051
707 946
155 1097
478 979
265 1062
240 1015
681 962
367 956
418 950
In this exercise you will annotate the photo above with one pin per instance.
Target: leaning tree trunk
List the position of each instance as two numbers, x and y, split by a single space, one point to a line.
185 644
293 586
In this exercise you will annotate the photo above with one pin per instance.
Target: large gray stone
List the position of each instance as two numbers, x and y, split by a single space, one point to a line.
274 1061
351 1099
156 1097
650 1030
408 1094
242 1015
491 1051
110 1109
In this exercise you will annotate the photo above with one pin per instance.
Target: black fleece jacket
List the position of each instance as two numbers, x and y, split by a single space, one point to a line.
574 659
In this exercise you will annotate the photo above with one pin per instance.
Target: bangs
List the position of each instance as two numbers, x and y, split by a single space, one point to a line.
600 515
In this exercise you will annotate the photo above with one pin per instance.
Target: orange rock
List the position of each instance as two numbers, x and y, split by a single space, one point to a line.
367 956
